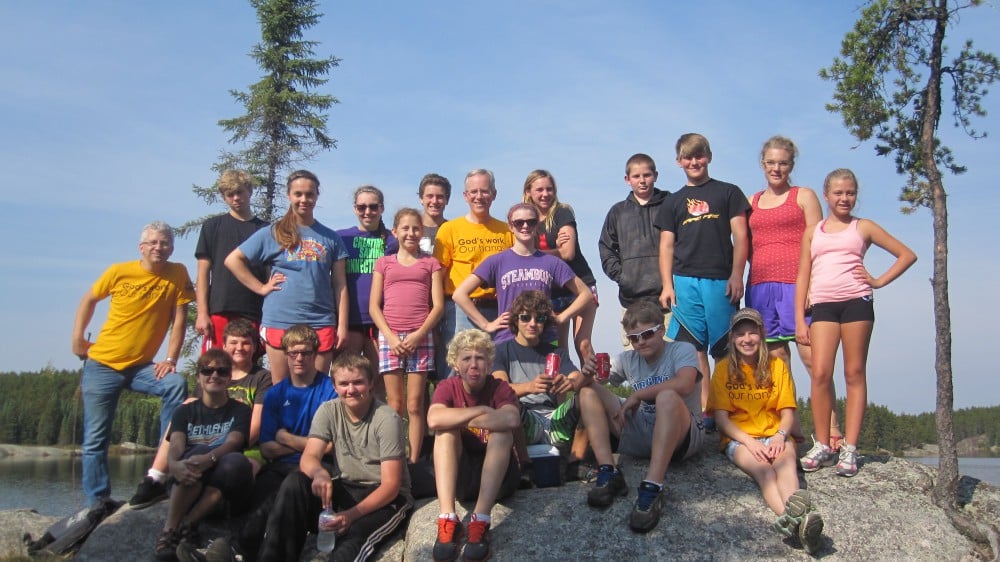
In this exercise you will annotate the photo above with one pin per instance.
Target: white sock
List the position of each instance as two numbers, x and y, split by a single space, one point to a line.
484 517
156 475
452 516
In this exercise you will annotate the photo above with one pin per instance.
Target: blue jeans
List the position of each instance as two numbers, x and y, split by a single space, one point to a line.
101 387
455 320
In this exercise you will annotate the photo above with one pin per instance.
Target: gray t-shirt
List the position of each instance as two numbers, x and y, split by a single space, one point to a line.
630 367
359 448
524 364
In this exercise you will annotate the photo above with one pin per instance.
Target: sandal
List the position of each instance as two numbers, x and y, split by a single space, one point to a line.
836 441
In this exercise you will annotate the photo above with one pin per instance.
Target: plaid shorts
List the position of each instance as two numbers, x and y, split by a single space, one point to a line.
421 361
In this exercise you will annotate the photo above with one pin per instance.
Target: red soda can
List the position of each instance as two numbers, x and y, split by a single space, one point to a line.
603 366
552 364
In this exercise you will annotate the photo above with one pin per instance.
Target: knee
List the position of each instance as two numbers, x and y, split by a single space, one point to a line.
667 400
414 406
501 439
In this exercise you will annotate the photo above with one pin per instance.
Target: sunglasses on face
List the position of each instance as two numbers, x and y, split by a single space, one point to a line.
373 207
521 223
221 371
539 318
297 354
644 335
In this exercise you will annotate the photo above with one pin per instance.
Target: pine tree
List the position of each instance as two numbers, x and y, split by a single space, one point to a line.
889 85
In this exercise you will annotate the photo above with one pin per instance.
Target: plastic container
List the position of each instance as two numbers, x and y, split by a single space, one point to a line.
326 540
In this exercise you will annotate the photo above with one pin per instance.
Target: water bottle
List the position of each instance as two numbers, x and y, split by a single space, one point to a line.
326 540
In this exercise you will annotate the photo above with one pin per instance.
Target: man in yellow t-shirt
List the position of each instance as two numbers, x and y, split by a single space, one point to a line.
147 296
460 245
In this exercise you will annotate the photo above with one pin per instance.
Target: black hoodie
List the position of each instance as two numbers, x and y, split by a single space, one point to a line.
630 248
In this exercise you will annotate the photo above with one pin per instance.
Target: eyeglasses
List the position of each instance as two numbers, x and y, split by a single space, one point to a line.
539 318
644 335
521 223
297 354
157 243
221 371
782 164
372 207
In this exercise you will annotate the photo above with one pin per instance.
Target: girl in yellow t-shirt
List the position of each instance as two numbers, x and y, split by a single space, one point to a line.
753 399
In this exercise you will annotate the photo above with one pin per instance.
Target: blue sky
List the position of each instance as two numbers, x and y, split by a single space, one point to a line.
109 110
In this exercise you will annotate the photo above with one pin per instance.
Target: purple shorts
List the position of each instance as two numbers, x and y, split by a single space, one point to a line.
776 304
420 361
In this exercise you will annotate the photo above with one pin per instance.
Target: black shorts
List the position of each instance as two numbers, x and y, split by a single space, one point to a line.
861 309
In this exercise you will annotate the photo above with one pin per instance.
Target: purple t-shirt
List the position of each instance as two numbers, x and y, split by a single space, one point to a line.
363 249
406 291
512 274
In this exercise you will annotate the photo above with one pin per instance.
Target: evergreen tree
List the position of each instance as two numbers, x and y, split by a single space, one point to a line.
285 119
889 80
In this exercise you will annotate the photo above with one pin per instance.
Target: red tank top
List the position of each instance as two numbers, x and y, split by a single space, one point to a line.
776 237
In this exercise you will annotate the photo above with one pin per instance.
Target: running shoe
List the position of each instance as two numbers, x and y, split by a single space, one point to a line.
819 456
610 484
446 545
646 511
478 548
811 532
848 462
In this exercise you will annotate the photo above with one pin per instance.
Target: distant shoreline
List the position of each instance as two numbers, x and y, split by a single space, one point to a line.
19 452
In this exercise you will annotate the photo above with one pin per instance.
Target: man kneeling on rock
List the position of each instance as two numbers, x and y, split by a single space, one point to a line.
474 417
660 420
522 362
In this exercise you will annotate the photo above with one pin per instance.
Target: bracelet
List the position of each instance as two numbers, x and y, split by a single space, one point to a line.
170 360
783 433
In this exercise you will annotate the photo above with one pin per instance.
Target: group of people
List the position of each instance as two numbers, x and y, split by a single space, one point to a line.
356 322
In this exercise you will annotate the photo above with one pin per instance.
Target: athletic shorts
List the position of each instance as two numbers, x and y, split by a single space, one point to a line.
421 361
217 337
554 427
701 315
776 304
559 304
327 337
637 436
861 309
734 444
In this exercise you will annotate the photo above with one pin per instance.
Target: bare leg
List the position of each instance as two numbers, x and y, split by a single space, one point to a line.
205 504
706 377
598 407
786 467
583 329
447 450
805 354
278 364
494 468
323 361
825 339
856 337
181 499
673 422
416 389
765 477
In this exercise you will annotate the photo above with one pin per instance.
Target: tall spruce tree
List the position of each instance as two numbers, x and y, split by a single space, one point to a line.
285 119
889 80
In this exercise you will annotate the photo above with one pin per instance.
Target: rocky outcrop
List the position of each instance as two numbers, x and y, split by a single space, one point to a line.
713 511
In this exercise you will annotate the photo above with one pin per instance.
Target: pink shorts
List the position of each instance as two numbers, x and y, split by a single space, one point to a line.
420 361
327 337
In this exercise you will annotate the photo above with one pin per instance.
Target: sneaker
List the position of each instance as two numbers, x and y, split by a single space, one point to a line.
646 511
147 493
796 506
848 462
811 532
610 483
478 547
188 552
166 545
819 456
446 545
787 525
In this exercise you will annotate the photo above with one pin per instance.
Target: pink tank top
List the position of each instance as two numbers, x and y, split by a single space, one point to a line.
776 235
834 258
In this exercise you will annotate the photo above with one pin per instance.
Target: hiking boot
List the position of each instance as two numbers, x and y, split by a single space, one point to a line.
221 550
646 511
819 456
610 483
166 545
796 506
446 545
811 532
848 462
147 493
478 547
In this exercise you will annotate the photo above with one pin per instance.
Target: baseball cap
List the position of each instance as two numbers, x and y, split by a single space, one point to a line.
746 314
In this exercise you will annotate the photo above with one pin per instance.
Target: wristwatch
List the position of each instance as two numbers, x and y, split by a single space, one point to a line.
211 455
783 433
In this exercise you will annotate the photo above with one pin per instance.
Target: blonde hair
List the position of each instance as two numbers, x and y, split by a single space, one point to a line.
471 340
232 181
762 368
550 219
840 173
286 230
693 144
406 212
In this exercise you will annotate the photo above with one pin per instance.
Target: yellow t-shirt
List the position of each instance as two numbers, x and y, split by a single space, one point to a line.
752 409
142 308
461 245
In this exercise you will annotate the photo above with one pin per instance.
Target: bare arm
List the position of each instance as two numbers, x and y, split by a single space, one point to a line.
683 382
802 288
340 294
375 310
566 242
441 417
741 248
667 297
810 206
203 322
239 264
169 365
256 412
84 313
285 443
437 307
310 464
462 299
584 298
905 257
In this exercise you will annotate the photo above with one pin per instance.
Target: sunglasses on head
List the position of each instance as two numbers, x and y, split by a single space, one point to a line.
371 207
539 318
221 371
521 223
644 335
297 354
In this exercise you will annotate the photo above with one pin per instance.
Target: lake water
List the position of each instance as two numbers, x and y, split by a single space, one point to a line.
52 486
